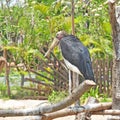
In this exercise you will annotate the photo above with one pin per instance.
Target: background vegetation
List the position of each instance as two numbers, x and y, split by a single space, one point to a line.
28 27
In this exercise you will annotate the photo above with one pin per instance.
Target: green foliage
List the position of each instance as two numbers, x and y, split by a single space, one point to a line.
3 90
56 96
39 77
105 98
37 21
94 92
15 86
18 93
43 9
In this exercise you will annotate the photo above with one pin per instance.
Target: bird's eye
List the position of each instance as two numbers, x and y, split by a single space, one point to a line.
57 35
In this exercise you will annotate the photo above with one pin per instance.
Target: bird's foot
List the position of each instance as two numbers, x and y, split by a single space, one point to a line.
76 107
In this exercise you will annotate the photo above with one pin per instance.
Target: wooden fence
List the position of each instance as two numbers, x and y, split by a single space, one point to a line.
102 71
103 75
58 74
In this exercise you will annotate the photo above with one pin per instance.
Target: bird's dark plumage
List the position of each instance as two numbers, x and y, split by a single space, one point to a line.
77 54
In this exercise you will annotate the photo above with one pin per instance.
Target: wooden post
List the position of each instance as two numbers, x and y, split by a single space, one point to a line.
75 78
75 75
114 13
7 69
72 16
73 33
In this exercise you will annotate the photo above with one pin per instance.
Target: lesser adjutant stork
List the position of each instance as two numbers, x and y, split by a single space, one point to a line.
76 55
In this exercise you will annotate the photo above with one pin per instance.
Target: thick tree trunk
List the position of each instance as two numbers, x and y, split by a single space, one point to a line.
115 23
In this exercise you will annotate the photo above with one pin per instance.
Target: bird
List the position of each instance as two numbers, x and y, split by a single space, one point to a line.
76 55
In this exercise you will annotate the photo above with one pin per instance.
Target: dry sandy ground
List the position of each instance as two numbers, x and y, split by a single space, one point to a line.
15 104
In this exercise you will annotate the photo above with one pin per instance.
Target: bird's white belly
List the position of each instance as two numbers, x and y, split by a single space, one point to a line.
72 67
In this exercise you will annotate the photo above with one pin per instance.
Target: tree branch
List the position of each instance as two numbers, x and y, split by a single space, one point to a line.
107 112
87 108
76 94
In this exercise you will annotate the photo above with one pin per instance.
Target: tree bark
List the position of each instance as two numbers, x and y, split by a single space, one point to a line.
114 13
82 88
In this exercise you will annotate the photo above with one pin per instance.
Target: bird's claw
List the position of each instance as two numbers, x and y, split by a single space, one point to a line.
76 107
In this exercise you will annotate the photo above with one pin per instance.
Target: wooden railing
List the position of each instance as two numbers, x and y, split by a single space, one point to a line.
103 75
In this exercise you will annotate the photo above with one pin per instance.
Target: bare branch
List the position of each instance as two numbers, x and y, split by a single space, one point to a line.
107 112
76 94
87 108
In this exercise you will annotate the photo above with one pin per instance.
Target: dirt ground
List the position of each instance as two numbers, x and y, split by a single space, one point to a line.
17 104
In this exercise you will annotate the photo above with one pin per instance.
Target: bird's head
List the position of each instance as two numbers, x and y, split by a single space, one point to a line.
56 40
61 34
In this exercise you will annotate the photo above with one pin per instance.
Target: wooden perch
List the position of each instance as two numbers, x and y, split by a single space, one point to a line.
86 108
107 112
92 108
39 110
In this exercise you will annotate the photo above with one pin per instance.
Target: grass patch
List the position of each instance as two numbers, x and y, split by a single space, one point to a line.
57 96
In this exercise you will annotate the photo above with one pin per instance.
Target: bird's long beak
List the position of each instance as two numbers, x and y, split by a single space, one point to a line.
53 45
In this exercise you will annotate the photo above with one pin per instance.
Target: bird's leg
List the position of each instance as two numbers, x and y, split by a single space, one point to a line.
77 80
77 84
70 83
